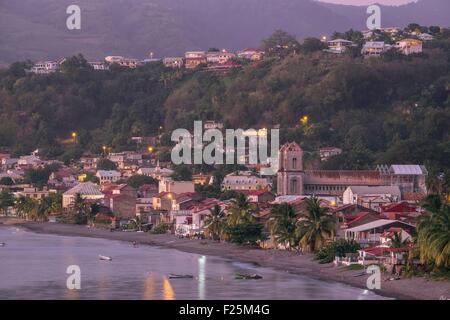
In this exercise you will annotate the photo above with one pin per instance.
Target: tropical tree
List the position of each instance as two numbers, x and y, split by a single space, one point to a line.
282 223
136 223
397 241
241 211
215 222
80 210
6 201
315 226
25 206
433 233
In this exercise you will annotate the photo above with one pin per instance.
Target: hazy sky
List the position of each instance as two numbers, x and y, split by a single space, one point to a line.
366 2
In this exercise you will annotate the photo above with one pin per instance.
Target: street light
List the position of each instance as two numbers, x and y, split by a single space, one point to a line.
304 120
150 149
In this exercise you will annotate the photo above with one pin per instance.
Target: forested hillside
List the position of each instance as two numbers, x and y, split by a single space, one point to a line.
395 109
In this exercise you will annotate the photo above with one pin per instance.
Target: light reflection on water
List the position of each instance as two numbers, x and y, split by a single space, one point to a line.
33 266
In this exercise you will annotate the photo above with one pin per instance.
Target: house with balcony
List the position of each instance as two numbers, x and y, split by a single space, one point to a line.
370 234
339 46
374 49
409 46
194 58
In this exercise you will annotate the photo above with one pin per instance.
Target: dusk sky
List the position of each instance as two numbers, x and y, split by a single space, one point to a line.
367 2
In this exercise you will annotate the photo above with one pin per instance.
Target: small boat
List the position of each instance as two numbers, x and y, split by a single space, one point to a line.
180 276
104 258
248 276
360 274
2 244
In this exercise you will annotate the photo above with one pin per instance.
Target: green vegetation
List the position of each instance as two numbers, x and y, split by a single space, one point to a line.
6 201
379 111
105 164
338 248
39 176
215 223
316 226
139 180
6 181
389 110
38 209
433 233
246 233
161 228
283 223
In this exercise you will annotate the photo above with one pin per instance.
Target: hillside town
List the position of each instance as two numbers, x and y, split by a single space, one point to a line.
133 190
405 41
388 214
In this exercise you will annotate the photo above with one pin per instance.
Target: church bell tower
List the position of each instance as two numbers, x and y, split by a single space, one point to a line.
290 173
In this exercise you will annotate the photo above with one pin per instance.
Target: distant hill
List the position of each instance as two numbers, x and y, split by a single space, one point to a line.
170 27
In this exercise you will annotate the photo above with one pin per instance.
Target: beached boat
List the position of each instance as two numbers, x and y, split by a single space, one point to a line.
248 276
104 258
180 276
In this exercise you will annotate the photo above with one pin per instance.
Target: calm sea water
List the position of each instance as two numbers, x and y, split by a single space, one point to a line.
33 266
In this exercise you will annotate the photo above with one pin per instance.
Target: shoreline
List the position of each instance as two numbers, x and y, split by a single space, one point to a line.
406 288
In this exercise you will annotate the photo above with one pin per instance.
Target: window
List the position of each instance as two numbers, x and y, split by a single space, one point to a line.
294 163
294 186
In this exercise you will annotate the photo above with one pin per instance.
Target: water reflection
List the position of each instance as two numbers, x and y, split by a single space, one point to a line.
33 266
168 293
201 277
149 287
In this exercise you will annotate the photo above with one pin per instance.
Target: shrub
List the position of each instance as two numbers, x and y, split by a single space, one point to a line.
337 248
248 233
161 228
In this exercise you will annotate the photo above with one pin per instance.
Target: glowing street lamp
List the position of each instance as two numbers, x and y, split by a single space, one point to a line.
150 149
304 120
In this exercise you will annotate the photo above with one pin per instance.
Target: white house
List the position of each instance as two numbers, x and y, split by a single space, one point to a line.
409 46
338 45
87 191
173 62
244 182
359 194
156 172
372 232
374 49
169 185
45 67
108 176
425 37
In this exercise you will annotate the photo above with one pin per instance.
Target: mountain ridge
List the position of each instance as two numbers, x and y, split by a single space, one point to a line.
170 27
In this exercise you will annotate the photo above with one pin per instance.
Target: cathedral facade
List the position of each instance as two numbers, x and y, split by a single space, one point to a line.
292 179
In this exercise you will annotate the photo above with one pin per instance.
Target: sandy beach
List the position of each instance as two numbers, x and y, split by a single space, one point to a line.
281 260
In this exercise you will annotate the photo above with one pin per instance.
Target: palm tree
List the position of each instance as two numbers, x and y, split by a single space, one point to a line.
6 201
43 209
241 211
215 222
25 206
397 241
136 223
433 234
315 226
80 209
282 223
